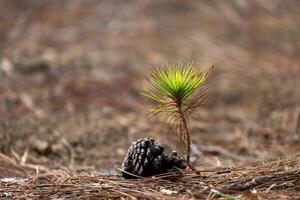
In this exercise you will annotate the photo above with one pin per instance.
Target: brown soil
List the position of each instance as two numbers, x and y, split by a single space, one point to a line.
70 77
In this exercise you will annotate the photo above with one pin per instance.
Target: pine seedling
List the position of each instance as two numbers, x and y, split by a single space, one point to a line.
178 92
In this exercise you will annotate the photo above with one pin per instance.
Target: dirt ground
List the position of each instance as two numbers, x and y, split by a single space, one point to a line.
70 77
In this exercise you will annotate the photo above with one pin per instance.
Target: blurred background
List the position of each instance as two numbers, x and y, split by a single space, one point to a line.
71 73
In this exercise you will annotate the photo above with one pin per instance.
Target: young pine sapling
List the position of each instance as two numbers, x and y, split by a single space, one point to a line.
178 92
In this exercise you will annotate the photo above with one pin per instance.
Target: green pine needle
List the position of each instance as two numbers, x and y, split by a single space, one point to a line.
175 86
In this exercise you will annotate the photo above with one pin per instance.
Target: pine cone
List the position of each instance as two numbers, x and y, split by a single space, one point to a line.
146 158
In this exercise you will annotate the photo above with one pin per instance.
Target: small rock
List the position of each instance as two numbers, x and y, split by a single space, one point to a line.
42 147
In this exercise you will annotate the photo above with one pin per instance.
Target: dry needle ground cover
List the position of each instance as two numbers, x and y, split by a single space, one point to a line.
272 180
71 73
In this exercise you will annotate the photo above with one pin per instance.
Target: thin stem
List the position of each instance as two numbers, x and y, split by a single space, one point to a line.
187 136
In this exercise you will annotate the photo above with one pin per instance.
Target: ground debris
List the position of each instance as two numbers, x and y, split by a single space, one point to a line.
239 182
249 183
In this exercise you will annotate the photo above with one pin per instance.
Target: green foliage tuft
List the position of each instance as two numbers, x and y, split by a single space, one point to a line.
175 87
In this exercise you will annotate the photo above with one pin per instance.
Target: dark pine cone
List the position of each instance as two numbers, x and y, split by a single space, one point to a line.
145 158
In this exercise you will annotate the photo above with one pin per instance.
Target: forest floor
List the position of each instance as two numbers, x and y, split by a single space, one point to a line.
70 77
